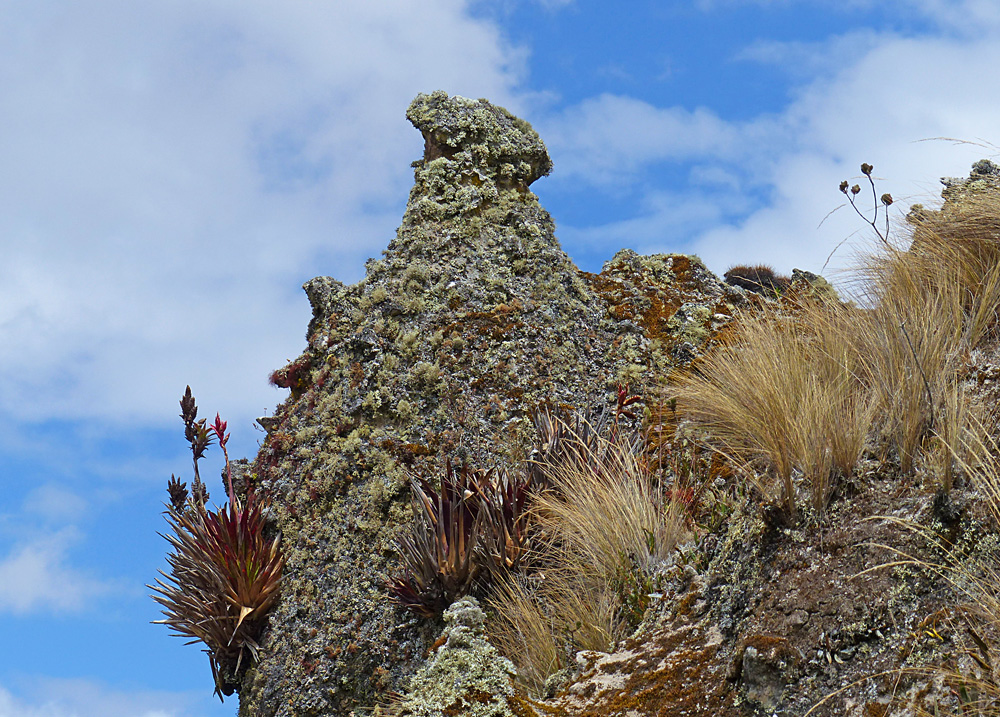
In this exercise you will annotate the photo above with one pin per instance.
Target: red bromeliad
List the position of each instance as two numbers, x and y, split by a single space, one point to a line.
225 573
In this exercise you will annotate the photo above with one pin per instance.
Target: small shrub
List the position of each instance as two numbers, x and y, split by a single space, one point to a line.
608 510
541 622
933 305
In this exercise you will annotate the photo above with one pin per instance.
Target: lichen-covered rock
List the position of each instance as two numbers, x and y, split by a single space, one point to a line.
472 317
813 285
766 667
984 176
466 676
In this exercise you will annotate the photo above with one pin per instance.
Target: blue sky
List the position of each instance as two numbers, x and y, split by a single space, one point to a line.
173 172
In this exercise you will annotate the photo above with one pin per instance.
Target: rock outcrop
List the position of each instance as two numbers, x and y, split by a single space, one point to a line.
473 316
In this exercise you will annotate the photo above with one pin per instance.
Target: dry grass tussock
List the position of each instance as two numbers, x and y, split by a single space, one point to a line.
786 397
606 528
934 304
799 394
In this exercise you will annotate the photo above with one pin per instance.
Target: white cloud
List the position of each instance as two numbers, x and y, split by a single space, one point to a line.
781 172
664 218
174 171
48 697
35 576
967 17
807 61
876 110
11 707
607 140
54 503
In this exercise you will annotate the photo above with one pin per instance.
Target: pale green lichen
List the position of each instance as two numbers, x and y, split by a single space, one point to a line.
984 176
814 285
466 677
690 323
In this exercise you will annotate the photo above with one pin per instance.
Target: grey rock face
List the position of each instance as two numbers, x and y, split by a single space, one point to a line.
473 316
984 175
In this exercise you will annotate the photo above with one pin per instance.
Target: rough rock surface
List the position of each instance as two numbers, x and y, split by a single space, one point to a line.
473 316
775 618
984 176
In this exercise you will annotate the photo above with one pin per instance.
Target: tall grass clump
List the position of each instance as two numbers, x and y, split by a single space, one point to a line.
606 528
801 390
933 305
785 396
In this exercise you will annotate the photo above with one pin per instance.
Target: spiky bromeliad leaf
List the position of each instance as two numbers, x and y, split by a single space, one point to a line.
506 539
439 554
576 439
564 440
224 575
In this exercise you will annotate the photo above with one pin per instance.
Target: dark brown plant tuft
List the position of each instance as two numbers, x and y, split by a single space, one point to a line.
563 440
178 493
479 526
759 278
225 572
574 438
506 540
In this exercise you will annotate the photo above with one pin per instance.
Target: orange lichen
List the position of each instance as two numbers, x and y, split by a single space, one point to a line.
522 707
677 674
357 374
876 709
652 315
645 298
683 607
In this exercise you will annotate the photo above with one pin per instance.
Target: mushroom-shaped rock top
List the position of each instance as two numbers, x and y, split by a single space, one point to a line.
492 136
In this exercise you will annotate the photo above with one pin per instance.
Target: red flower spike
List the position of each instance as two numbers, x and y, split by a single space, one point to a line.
219 428
624 399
